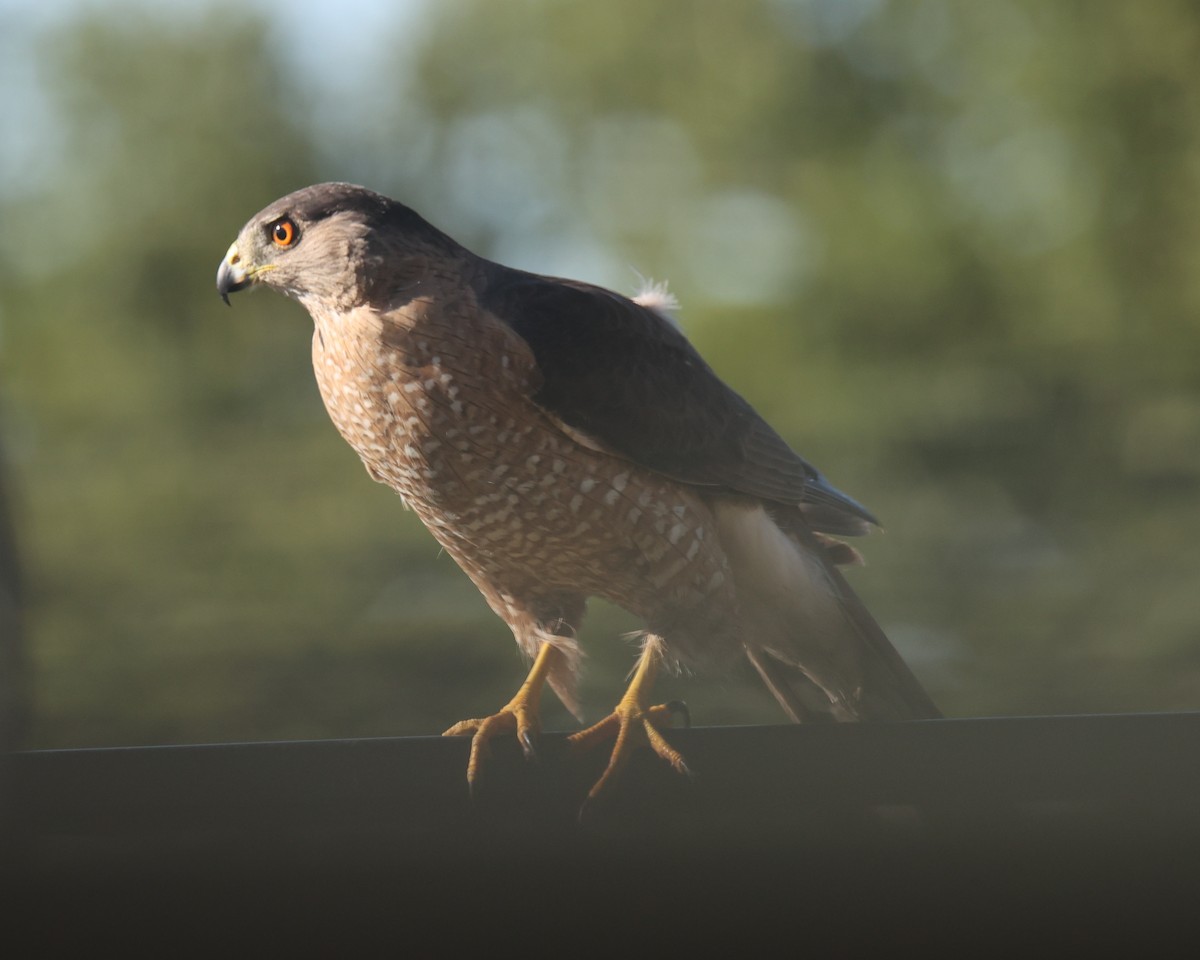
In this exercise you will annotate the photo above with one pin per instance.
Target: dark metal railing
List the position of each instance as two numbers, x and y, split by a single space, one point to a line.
1011 819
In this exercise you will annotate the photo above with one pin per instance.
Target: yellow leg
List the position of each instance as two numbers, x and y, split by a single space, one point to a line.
631 725
519 715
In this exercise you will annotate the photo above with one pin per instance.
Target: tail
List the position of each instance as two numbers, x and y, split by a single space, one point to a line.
813 642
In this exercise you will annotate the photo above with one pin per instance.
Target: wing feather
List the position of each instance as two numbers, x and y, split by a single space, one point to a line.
620 372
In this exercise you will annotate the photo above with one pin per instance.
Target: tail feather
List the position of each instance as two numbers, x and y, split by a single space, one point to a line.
805 630
802 700
890 690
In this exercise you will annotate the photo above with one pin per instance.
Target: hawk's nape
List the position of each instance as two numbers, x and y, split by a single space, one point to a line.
561 442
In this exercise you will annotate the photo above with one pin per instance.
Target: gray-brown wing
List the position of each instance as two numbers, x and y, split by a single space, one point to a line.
622 373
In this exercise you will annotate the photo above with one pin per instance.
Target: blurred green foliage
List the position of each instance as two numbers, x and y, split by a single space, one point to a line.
952 251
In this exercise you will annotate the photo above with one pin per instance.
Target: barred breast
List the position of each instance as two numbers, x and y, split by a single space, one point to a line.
437 403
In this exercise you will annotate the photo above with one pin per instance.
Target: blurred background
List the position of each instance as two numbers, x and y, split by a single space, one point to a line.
951 251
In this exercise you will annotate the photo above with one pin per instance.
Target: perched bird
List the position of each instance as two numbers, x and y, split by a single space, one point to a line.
562 441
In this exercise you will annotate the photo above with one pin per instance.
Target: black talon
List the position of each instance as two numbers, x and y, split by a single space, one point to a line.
590 810
681 708
529 745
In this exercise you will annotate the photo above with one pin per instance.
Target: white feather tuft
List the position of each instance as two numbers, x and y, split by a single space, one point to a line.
654 295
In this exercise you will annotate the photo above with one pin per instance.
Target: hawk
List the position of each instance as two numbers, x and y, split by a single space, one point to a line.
561 442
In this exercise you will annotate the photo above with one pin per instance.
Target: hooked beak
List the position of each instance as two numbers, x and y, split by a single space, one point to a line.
231 276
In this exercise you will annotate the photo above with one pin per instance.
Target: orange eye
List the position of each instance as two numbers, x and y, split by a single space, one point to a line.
284 233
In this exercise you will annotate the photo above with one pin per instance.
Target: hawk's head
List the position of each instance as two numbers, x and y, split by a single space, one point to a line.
325 245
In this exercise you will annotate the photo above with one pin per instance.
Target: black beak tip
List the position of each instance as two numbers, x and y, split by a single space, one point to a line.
227 282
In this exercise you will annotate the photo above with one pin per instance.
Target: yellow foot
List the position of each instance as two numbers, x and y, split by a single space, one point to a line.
519 715
510 718
632 725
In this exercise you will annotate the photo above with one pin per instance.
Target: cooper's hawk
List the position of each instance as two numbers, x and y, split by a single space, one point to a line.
561 441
